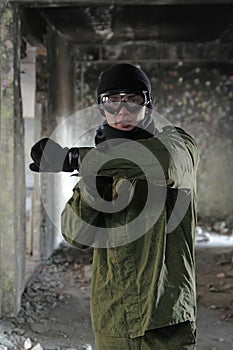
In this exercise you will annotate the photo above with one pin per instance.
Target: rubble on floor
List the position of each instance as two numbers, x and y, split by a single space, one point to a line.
215 234
44 291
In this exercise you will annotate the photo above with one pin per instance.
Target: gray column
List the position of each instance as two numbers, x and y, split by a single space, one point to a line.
12 182
62 67
60 106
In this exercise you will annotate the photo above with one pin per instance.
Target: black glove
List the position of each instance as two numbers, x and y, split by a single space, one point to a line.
49 156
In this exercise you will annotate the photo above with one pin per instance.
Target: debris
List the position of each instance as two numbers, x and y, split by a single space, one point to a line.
39 327
214 289
3 347
221 275
4 341
213 307
37 347
27 344
219 226
45 290
87 347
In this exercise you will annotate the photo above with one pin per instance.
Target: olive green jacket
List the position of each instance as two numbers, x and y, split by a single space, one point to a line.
144 277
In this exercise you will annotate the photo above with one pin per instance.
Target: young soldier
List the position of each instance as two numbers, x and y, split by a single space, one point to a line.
143 281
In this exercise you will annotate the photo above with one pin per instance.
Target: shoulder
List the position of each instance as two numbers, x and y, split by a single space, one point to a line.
172 139
178 135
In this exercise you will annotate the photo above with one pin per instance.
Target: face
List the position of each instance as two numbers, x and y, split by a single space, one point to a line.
124 120
123 111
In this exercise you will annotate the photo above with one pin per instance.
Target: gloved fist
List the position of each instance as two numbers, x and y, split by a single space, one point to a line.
49 156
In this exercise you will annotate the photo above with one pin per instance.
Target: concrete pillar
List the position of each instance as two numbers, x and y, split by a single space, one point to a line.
62 75
12 182
60 105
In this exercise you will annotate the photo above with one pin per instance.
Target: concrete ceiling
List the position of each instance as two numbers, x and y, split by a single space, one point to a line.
118 23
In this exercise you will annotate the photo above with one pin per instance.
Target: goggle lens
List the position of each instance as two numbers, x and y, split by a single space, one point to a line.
113 101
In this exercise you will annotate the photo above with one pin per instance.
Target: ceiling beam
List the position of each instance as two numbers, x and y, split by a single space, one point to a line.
55 3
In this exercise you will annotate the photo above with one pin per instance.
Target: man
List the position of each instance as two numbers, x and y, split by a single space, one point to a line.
143 281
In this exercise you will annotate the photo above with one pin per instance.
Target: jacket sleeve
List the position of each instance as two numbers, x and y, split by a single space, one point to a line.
79 220
170 158
181 156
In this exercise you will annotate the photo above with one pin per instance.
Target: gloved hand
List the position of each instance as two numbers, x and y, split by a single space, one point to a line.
49 156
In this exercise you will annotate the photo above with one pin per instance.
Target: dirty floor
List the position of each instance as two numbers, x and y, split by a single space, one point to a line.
55 311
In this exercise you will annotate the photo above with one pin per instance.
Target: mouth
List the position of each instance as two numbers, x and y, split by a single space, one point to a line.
125 123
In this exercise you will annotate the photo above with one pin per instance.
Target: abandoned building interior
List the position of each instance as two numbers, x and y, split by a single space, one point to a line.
52 52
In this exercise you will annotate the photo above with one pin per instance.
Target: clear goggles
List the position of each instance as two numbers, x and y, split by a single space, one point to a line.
112 101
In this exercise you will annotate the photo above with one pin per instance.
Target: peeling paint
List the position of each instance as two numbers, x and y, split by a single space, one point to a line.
101 20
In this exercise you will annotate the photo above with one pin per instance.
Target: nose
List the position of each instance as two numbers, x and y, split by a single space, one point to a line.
123 110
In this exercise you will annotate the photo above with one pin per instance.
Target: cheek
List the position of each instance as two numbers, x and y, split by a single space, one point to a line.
109 118
141 115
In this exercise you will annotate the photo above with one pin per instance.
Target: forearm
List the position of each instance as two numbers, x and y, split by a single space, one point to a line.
169 159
